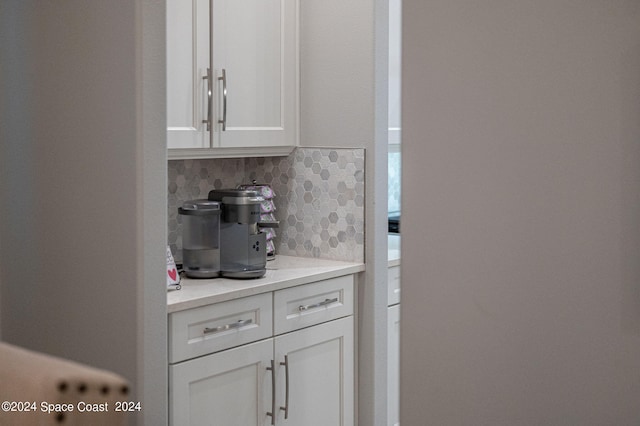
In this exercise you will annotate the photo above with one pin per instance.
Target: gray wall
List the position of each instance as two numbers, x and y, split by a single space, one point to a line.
343 102
336 73
83 198
521 242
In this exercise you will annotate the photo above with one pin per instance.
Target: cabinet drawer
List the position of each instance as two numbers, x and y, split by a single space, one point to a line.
310 304
212 328
393 285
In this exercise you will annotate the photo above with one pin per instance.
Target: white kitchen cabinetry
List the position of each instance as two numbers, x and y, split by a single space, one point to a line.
303 370
232 78
393 347
321 374
393 285
225 388
393 365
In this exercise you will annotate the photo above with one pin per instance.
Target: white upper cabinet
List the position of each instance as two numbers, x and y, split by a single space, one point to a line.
187 63
232 77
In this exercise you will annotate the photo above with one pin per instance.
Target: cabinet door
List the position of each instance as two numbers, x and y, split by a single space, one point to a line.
320 375
393 285
255 43
187 62
232 387
393 366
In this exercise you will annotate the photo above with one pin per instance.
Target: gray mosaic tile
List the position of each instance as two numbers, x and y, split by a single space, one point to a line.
190 179
320 202
319 198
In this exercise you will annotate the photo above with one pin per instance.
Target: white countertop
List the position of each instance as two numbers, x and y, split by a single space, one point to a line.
282 272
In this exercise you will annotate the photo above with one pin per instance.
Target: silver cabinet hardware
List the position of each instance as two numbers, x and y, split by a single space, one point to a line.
325 302
272 414
286 378
209 99
233 325
224 100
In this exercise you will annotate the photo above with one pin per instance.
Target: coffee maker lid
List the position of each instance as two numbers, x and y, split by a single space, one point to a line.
235 196
199 208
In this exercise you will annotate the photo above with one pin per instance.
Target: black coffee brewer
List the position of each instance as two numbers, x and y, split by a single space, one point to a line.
243 246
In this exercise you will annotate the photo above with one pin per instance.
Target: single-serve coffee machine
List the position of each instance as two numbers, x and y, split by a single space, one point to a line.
201 238
243 248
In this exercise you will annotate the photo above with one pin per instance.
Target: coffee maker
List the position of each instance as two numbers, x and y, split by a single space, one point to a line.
201 238
243 248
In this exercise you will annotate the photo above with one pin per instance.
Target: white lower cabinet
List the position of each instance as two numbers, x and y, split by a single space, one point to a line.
226 388
320 385
393 347
303 377
393 365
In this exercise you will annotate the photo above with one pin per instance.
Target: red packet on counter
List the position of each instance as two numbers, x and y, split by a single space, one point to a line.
173 277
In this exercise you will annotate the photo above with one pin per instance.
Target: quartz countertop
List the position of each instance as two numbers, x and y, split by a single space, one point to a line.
282 272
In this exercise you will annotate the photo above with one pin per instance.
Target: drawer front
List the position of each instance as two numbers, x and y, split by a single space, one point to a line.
393 285
220 326
305 305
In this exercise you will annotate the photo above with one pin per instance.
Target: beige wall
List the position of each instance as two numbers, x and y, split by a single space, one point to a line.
83 200
521 232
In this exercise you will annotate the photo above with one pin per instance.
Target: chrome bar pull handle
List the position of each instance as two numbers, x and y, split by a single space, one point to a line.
224 100
286 392
272 414
209 99
325 302
232 326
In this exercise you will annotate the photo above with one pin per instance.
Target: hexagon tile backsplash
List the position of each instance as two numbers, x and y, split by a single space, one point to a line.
319 197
